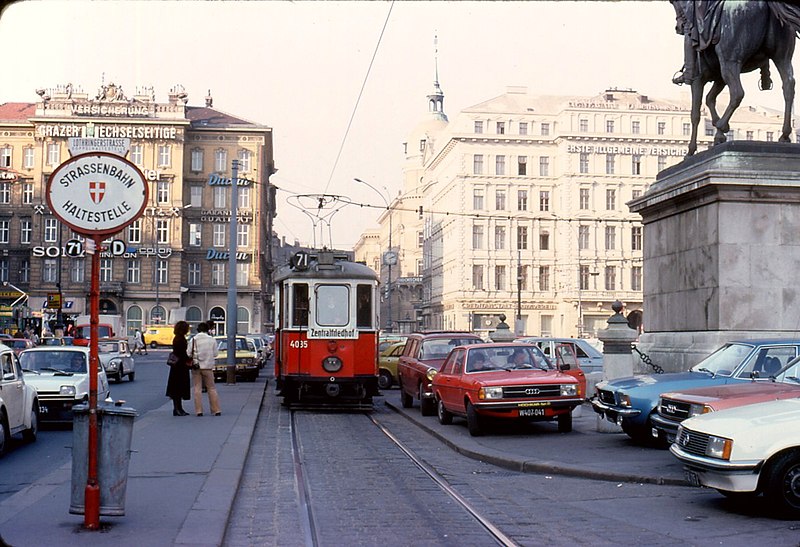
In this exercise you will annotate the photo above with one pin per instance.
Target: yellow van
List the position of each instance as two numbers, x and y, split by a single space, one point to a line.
159 335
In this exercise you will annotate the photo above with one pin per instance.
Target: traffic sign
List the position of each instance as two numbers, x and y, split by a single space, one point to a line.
97 193
74 247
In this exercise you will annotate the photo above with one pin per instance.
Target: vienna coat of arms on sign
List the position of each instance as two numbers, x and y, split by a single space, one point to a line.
97 190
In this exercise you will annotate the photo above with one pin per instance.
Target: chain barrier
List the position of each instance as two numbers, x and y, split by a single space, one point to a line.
647 361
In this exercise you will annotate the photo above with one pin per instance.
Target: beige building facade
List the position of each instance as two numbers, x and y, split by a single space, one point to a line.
175 260
524 206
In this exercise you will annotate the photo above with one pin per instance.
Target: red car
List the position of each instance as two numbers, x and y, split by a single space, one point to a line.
674 407
421 359
507 381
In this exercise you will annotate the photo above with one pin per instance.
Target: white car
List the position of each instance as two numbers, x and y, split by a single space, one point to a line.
117 359
60 375
747 450
19 405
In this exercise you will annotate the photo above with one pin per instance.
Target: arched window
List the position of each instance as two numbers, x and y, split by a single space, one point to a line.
194 317
133 318
158 315
242 320
217 317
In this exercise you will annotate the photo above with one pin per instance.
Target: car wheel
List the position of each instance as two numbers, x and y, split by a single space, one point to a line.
384 379
445 418
427 407
30 434
782 487
120 376
565 422
131 376
5 437
473 421
153 345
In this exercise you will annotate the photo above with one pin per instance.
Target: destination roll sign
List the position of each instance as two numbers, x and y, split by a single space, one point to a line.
97 193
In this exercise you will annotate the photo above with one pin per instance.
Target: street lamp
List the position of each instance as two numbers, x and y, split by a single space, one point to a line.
389 257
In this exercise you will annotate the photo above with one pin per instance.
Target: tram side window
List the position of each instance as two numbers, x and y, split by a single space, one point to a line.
364 306
333 305
300 305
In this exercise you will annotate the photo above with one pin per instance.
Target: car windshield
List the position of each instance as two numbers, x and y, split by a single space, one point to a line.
438 348
725 360
241 345
54 361
506 358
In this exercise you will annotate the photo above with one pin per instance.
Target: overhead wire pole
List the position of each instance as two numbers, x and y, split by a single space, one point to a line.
388 259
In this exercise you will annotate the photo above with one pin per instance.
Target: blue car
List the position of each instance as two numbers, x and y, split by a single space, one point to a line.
631 402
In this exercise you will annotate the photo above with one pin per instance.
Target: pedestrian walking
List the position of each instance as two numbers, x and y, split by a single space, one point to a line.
203 350
142 341
178 382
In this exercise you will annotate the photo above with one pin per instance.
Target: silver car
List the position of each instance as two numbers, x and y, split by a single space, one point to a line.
589 358
117 359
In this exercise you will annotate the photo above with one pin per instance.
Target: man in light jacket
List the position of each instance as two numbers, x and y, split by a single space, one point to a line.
203 351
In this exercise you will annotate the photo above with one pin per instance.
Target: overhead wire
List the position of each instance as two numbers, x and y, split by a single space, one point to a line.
358 99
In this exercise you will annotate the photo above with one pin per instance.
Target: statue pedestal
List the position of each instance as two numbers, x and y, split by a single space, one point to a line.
721 251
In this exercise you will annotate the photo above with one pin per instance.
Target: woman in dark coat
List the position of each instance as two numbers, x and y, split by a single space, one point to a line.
178 382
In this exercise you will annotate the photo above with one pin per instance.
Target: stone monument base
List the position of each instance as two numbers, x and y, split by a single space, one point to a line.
721 251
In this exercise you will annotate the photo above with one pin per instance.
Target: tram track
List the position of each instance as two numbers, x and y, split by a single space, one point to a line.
311 528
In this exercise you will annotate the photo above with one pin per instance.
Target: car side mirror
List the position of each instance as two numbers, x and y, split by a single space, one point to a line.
9 376
564 366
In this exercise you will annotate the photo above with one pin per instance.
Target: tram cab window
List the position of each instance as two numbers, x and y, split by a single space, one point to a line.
300 305
364 306
332 305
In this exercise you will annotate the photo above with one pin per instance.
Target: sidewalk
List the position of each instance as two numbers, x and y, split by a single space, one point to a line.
183 476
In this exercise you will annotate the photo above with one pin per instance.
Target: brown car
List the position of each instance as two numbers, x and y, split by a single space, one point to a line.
674 407
422 358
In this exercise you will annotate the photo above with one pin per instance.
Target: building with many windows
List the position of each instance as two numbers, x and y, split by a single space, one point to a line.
524 205
176 254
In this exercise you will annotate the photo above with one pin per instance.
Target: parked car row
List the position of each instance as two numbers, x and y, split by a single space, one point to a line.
733 419
459 374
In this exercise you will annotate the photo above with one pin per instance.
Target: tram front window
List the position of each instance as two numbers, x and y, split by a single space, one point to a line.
300 305
333 305
364 306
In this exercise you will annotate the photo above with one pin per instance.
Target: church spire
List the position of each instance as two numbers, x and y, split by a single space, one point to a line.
436 99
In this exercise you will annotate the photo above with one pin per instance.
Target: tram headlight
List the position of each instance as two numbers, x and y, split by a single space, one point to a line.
332 364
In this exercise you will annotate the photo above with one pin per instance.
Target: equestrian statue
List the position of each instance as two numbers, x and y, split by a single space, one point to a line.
726 38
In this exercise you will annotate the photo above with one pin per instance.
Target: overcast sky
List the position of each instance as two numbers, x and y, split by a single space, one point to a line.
299 67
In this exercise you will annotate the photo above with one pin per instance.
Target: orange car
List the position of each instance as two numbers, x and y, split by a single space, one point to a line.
506 381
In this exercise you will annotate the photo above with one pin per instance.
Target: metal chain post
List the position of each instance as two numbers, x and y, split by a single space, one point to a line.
647 361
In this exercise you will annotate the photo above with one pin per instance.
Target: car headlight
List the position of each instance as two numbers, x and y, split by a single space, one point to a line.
431 373
332 364
696 410
68 391
624 400
114 364
490 393
569 390
719 447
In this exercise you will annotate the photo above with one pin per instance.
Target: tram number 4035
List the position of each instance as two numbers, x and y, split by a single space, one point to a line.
298 344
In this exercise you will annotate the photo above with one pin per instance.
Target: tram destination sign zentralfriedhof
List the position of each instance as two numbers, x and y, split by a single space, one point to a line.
97 193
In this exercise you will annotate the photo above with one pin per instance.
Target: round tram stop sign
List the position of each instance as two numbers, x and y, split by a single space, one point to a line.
97 193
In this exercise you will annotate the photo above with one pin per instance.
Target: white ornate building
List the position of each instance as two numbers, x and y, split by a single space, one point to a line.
524 206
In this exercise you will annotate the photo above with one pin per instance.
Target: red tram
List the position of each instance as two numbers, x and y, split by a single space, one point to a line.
326 339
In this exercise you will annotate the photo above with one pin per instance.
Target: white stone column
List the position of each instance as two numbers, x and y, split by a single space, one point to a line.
617 355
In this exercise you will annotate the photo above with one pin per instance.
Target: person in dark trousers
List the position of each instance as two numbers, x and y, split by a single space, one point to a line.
143 343
178 384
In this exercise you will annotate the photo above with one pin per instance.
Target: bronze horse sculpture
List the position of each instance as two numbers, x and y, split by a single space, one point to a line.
745 36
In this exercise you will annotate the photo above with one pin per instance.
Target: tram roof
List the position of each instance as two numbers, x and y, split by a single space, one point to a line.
326 265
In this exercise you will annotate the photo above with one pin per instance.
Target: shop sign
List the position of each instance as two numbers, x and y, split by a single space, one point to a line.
8 175
216 180
53 301
224 215
224 255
